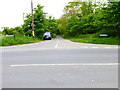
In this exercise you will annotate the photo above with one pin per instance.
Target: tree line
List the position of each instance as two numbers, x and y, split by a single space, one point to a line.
42 23
79 18
90 18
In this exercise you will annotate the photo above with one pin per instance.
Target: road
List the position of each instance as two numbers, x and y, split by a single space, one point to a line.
60 63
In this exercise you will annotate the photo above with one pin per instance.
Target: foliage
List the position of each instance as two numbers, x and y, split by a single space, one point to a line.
41 21
78 8
79 19
90 38
14 31
20 39
88 18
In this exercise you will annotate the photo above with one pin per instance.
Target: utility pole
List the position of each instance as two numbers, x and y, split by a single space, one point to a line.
32 19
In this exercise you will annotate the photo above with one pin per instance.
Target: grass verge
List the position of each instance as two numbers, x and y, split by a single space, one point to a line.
8 41
92 38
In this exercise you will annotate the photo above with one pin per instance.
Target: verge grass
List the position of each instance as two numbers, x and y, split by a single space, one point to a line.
94 39
7 41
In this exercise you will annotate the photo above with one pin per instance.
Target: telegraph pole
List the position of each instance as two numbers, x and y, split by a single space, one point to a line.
32 19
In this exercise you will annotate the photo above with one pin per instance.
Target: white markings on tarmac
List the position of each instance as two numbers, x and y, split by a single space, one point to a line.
95 47
85 47
79 64
57 44
108 47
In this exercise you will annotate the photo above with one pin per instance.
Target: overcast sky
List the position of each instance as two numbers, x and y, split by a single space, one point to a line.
11 11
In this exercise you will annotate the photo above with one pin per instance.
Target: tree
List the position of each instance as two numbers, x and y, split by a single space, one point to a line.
63 25
107 20
78 8
87 18
39 21
73 19
42 23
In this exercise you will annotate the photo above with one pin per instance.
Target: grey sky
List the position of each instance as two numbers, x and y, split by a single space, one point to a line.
12 10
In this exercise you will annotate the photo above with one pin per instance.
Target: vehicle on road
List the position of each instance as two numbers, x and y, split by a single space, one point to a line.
47 35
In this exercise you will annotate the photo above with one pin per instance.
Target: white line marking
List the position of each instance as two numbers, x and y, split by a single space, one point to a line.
80 64
84 47
108 47
95 47
57 44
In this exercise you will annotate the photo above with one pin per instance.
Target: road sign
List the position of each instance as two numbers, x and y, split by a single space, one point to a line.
10 36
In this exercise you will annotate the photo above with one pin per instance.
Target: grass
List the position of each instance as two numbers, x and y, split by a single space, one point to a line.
88 38
8 41
94 39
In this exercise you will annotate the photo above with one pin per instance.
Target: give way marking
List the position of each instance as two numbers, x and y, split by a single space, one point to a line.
79 64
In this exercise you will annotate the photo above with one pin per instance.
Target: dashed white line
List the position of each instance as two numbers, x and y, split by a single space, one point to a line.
95 47
108 47
84 47
76 64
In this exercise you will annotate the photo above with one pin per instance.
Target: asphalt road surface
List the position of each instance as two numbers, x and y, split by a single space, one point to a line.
60 63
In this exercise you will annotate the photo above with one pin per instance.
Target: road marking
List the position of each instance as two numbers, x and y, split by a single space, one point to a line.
57 44
108 47
80 64
95 47
84 47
